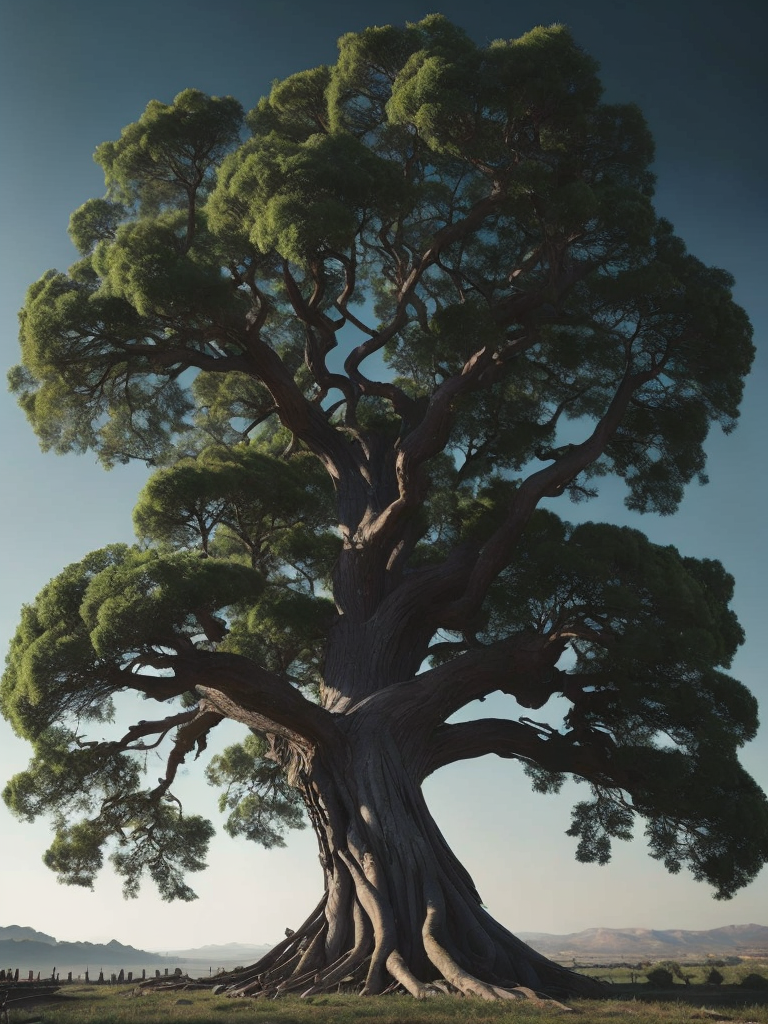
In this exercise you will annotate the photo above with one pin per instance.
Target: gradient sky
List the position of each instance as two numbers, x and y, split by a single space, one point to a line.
71 76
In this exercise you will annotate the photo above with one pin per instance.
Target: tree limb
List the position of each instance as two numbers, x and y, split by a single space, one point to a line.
160 728
191 734
548 749
522 666
237 688
240 689
546 482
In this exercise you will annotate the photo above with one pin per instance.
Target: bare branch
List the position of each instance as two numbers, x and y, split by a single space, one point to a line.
192 734
159 728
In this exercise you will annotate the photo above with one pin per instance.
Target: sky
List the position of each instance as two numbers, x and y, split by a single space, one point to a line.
73 75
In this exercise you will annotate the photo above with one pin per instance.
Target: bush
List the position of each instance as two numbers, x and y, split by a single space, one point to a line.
660 977
755 981
714 977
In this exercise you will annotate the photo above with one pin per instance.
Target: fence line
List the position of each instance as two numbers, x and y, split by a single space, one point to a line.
11 976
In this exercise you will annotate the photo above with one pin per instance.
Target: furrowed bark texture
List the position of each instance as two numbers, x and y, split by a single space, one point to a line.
398 909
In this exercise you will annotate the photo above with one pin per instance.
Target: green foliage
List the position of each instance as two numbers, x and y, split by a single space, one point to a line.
51 667
260 802
596 824
308 198
170 154
151 267
120 607
651 627
157 840
96 221
244 496
358 166
285 631
69 777
146 832
151 598
351 345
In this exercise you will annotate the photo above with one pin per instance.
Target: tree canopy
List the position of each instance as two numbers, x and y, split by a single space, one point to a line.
362 335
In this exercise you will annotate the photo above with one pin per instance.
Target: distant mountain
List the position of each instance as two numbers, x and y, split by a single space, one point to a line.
31 955
243 952
15 931
643 943
30 950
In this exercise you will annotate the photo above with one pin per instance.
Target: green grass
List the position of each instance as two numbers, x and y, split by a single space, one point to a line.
733 974
636 1004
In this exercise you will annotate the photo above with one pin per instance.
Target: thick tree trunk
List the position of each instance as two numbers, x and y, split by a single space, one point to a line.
398 909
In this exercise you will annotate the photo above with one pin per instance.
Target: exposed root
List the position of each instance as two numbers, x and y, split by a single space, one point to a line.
400 913
289 968
400 972
464 982
372 964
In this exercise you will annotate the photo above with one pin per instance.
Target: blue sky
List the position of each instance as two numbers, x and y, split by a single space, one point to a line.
71 76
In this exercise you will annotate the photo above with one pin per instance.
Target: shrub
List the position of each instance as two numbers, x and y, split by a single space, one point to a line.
755 981
660 977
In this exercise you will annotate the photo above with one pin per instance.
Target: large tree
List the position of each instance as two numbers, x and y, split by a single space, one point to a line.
361 348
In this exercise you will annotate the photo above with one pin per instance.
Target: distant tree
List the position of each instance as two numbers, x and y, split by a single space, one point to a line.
428 293
675 970
660 976
714 977
755 981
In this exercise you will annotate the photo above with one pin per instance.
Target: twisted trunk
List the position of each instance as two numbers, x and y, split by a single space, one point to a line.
398 909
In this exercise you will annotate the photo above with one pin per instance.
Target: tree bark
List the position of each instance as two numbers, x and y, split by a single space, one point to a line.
398 909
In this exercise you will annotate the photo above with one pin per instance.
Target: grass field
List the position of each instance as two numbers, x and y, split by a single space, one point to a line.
696 973
637 1003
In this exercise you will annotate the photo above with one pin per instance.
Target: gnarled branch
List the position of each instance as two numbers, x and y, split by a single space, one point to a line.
528 742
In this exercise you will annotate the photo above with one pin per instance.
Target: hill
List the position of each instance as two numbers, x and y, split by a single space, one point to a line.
17 932
36 955
29 949
644 943
242 952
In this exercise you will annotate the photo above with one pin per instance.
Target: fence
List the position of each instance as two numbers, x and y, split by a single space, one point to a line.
12 975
